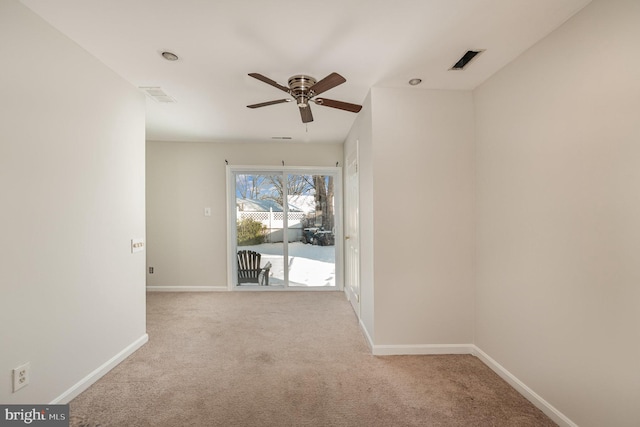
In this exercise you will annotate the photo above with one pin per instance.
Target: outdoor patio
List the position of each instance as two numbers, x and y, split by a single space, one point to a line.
309 265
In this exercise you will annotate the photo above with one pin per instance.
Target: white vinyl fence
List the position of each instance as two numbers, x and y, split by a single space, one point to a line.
274 223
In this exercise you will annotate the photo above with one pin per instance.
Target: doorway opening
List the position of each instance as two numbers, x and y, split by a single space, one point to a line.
285 228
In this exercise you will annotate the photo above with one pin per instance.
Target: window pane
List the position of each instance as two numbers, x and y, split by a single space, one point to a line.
260 229
311 232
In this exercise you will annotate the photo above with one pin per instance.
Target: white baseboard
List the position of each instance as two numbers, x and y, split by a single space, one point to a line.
557 416
366 335
186 288
394 350
398 350
94 376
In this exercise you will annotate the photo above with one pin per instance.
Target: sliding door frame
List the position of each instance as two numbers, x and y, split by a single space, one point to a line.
336 172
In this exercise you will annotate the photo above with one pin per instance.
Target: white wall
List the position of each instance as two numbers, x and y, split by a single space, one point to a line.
416 218
185 248
72 186
423 261
558 216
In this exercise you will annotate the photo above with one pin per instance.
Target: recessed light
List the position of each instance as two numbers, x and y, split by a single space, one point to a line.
170 56
414 82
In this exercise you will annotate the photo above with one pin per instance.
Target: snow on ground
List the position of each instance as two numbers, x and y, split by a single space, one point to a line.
308 265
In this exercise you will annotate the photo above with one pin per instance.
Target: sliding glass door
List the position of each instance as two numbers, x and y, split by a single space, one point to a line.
260 229
284 228
312 231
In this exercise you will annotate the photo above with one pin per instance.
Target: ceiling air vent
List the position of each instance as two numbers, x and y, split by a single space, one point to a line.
157 94
466 58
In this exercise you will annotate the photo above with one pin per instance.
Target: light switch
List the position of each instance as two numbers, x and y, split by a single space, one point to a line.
207 211
137 245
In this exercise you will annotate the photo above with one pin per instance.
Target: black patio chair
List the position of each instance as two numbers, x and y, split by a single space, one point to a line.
249 270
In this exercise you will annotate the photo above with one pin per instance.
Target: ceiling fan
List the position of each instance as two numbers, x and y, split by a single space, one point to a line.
304 89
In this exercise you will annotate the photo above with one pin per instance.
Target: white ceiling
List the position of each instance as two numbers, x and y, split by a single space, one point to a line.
369 42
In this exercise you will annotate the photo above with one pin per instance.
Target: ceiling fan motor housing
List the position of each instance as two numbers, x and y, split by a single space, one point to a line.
299 85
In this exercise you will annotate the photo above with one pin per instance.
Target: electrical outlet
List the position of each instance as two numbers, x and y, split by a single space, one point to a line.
150 270
21 376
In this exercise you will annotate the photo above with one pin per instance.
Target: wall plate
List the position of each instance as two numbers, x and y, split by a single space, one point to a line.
137 245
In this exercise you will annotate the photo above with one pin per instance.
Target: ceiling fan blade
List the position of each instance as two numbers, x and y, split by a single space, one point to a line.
329 82
268 81
264 104
305 113
354 108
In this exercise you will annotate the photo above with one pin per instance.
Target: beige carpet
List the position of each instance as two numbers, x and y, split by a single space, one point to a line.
287 359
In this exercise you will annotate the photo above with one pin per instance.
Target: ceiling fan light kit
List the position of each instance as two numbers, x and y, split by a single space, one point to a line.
304 89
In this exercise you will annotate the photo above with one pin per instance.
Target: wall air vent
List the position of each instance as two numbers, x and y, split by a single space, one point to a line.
466 58
157 94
